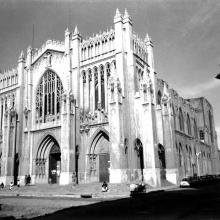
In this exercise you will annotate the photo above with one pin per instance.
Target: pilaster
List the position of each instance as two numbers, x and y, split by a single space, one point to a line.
148 121
168 138
116 131
75 62
119 48
19 107
68 138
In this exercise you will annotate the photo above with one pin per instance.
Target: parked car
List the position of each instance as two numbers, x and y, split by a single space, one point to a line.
137 189
185 182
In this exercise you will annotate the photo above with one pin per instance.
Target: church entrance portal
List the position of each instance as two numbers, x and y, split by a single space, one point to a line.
54 164
99 158
48 161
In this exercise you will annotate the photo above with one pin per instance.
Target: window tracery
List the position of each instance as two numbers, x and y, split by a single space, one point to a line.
48 97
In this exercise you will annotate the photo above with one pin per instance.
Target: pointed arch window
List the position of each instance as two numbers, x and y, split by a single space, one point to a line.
159 98
181 122
188 125
102 87
210 127
90 86
48 96
96 87
195 129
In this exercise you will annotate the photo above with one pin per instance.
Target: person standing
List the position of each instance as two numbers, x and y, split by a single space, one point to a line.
25 180
104 187
11 186
18 183
29 180
2 185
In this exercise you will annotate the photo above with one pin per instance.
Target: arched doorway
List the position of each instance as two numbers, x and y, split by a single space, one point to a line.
99 158
162 161
139 149
54 164
48 161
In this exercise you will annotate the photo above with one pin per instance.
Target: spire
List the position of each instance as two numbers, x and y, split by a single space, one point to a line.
117 13
21 55
147 38
67 31
29 48
76 31
126 15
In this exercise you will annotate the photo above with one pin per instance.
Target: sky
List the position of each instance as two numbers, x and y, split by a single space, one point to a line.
185 35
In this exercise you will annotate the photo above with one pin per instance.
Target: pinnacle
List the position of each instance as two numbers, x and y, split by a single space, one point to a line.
21 55
126 15
76 31
117 13
67 30
147 38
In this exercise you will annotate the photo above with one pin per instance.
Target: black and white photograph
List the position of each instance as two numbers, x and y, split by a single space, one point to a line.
110 109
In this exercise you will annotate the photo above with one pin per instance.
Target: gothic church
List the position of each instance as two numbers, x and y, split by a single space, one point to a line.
96 109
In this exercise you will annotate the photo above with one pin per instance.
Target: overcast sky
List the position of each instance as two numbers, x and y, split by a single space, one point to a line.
186 35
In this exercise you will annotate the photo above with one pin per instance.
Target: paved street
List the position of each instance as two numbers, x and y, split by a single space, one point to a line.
193 204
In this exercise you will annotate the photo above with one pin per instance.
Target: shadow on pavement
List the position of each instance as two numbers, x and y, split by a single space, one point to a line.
176 204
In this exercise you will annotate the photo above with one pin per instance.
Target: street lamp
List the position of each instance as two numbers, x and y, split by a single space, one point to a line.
197 160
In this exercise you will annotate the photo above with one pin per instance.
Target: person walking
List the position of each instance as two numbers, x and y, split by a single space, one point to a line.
11 186
29 180
25 180
104 187
18 183
2 186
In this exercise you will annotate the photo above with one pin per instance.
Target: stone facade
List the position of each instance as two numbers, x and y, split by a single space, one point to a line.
94 109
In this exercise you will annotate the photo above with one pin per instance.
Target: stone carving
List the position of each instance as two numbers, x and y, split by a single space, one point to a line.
49 58
26 110
13 112
119 85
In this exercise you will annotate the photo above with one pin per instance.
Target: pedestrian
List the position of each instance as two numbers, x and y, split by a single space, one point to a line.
18 183
74 178
2 186
104 187
11 186
29 180
25 180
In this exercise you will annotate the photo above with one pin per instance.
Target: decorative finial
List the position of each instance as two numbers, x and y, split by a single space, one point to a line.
126 15
117 14
21 55
76 31
147 38
67 31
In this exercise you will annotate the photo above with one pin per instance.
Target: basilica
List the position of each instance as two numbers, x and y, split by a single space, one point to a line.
94 109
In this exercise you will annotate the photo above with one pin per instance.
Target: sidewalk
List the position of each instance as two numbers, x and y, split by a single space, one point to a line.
68 191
